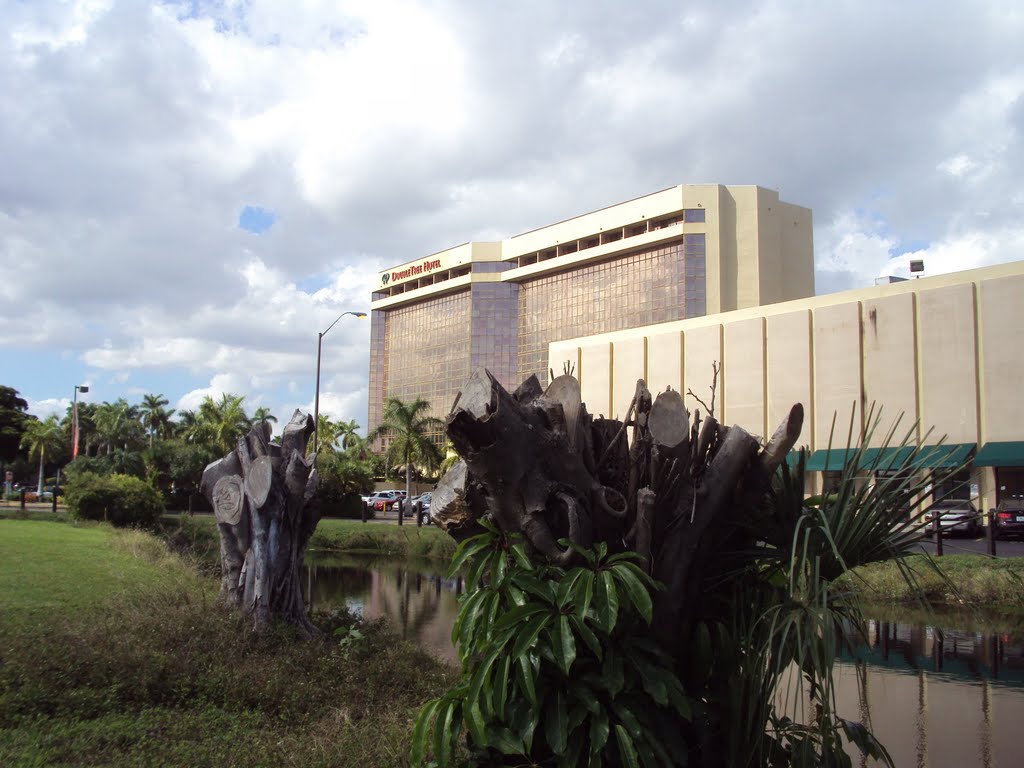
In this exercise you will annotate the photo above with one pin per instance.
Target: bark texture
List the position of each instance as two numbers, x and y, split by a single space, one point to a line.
537 463
264 498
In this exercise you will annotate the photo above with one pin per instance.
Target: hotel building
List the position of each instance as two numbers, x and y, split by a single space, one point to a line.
685 252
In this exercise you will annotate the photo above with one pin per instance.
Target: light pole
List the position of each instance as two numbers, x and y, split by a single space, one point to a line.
83 388
316 400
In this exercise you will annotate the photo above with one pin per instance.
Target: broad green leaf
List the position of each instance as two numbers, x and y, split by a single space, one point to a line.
607 602
521 558
627 752
566 586
653 680
563 643
612 673
476 572
467 612
443 737
628 719
584 593
466 550
588 636
651 584
470 631
598 732
501 685
529 634
637 592
556 721
501 738
480 684
419 731
519 614
499 568
571 757
524 672
475 723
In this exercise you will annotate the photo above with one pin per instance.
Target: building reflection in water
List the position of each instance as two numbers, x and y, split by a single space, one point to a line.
941 699
937 697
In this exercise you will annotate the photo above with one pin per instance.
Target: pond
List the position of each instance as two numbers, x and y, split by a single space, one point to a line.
946 698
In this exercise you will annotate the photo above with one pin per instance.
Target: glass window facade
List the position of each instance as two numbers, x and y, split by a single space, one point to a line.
656 285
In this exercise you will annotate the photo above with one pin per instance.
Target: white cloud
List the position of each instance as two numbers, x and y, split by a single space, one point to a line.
132 135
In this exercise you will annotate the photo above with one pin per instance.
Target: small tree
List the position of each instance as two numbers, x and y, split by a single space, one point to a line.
41 438
407 428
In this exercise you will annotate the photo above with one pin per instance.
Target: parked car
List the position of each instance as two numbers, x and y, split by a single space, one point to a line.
955 516
1010 518
382 501
422 503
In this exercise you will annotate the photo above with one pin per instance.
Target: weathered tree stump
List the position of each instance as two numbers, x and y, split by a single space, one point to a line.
537 463
264 498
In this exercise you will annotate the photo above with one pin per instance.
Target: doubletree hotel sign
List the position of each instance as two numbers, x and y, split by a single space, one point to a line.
414 270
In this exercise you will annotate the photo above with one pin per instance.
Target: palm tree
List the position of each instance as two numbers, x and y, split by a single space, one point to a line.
225 419
262 414
154 418
407 427
348 433
39 437
117 424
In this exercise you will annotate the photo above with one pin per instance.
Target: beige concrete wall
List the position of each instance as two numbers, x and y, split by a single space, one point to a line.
796 245
769 257
790 374
745 375
595 377
889 349
702 347
746 201
720 254
837 371
665 361
1002 358
947 351
628 365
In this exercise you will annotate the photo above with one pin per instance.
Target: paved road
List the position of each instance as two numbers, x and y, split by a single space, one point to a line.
977 546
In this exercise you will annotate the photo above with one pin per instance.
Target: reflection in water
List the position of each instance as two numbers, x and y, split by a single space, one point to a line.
941 699
413 596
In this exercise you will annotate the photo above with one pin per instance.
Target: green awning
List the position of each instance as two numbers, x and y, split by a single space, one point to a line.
944 456
884 459
1010 454
827 460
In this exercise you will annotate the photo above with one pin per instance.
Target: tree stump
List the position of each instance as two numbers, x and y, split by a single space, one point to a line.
538 464
264 498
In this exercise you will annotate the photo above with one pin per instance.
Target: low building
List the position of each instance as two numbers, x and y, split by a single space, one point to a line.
935 359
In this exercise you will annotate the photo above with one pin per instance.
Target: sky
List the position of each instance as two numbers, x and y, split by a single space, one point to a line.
191 191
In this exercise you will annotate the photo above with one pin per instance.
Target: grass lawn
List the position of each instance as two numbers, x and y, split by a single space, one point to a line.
115 653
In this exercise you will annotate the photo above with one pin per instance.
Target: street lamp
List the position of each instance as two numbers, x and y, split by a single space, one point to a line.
316 400
83 388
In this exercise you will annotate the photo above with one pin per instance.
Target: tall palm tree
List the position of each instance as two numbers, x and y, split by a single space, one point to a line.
153 415
407 427
117 424
348 432
40 437
262 414
225 419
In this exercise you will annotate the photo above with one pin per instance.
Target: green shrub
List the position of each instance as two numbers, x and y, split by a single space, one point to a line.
121 500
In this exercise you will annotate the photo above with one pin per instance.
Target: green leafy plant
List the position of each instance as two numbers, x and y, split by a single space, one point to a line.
121 500
558 667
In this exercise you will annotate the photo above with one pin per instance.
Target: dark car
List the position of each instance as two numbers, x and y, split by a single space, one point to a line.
955 516
422 504
1009 518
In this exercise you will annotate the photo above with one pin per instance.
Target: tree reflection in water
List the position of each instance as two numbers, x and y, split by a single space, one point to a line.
937 698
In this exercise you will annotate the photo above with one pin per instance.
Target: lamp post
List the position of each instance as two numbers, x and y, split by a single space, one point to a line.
316 400
83 388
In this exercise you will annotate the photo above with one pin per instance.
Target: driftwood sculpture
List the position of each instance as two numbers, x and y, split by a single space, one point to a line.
537 463
264 498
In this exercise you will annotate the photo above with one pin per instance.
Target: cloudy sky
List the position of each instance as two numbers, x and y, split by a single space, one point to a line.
190 191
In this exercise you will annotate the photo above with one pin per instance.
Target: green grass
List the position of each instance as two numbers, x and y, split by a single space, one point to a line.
114 653
965 581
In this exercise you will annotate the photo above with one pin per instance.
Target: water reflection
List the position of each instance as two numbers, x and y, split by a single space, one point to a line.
942 699
414 597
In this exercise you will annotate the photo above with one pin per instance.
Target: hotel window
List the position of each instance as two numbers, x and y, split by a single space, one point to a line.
693 215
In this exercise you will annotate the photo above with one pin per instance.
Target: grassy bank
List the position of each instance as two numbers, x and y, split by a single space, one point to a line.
969 581
113 652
